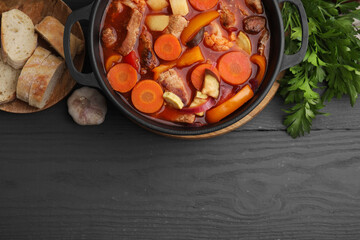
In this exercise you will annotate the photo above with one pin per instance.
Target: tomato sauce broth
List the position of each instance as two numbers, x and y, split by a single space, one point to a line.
165 114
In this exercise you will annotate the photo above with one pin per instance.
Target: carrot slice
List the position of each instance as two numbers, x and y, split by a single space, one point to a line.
198 74
167 47
235 67
261 62
147 96
122 77
111 61
203 5
225 109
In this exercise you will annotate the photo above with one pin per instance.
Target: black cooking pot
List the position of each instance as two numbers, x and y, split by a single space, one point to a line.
277 62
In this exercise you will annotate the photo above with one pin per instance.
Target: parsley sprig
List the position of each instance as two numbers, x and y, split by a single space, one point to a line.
331 66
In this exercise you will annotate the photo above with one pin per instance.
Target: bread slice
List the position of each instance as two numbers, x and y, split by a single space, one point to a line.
29 72
45 81
18 38
53 31
8 80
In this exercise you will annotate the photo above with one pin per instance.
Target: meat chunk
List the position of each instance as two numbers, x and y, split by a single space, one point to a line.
264 38
137 8
118 6
147 55
185 118
139 5
171 81
109 37
216 41
227 18
255 5
133 32
177 23
254 24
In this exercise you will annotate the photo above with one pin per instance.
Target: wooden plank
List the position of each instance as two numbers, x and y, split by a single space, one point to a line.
342 116
92 184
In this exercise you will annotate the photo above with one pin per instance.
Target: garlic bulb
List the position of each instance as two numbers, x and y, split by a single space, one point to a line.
87 106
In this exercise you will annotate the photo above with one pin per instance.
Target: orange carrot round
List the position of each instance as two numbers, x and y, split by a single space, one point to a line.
203 5
147 96
122 77
111 61
225 109
167 47
261 62
235 67
198 74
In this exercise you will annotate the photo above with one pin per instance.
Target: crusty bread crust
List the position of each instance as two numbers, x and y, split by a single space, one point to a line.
45 81
29 72
18 38
8 79
53 31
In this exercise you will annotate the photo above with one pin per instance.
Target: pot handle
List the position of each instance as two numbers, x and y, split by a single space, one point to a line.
88 79
292 60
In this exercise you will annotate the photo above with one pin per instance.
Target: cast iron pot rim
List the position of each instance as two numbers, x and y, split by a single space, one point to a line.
184 132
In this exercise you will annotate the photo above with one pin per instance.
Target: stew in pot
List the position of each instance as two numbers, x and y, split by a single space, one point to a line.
190 62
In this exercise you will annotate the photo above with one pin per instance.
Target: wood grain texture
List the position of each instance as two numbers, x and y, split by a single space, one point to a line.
342 116
37 10
245 185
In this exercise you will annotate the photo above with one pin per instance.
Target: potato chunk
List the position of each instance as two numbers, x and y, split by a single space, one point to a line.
157 5
244 42
157 23
173 100
211 84
179 7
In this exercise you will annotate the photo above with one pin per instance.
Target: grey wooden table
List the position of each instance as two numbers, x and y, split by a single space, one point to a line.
117 181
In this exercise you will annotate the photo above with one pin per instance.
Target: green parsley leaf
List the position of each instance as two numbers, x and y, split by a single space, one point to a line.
331 62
